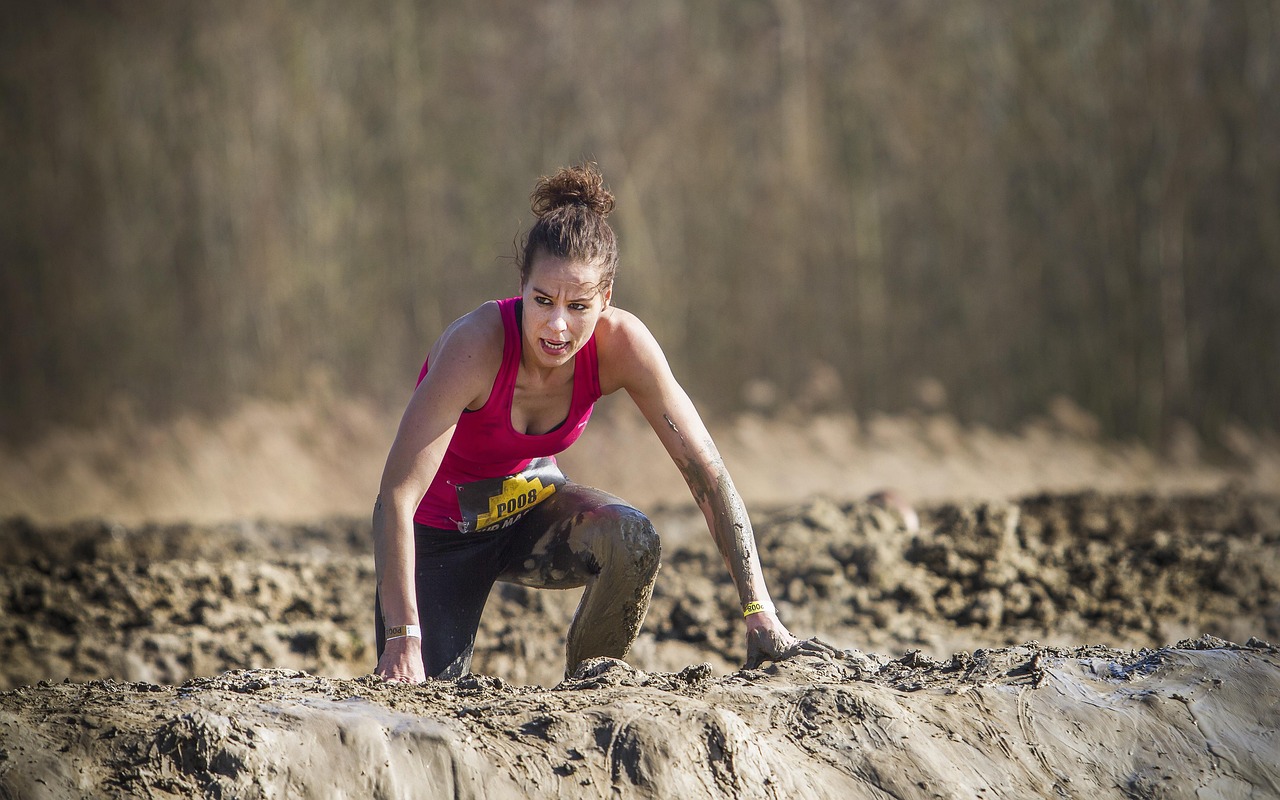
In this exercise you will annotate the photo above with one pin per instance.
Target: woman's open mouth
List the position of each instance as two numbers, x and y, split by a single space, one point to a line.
554 348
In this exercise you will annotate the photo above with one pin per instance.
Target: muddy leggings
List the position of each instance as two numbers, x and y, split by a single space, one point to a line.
577 537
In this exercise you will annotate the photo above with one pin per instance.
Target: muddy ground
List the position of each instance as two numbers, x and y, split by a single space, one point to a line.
1057 645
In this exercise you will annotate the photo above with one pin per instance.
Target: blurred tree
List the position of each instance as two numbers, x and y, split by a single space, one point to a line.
1010 202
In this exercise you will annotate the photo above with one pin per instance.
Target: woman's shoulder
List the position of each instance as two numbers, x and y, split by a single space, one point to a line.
477 334
627 351
619 328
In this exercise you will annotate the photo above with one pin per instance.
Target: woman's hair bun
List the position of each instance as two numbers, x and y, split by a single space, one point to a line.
581 185
572 208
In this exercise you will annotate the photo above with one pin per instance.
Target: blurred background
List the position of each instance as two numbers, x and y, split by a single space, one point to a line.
236 221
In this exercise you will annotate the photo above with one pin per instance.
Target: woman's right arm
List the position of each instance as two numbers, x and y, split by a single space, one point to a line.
464 363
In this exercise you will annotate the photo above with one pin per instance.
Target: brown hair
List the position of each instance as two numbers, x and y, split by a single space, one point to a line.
572 207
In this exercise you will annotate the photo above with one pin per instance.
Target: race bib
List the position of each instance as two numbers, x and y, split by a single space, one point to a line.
497 503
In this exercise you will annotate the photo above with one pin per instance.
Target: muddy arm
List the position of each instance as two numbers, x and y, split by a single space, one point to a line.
713 490
639 366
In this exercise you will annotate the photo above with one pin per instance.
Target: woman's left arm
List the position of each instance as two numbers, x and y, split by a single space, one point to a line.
636 363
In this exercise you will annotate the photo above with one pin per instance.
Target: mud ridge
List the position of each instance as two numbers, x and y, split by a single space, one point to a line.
1028 721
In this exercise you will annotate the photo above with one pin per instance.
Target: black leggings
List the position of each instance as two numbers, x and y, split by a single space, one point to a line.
577 537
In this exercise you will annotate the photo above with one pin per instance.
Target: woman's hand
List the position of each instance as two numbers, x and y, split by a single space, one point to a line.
769 640
401 661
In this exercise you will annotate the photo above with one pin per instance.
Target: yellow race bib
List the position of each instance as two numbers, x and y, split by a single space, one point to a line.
496 503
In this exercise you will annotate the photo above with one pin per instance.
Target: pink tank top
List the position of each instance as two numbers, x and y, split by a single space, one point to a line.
486 446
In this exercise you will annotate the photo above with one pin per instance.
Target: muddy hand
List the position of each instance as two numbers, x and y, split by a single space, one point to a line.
767 644
813 647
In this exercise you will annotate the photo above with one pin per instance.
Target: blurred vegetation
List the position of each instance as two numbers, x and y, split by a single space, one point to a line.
854 203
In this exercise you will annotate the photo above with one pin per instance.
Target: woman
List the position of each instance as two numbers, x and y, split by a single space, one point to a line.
471 494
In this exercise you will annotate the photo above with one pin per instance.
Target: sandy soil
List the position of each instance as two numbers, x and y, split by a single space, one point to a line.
1052 645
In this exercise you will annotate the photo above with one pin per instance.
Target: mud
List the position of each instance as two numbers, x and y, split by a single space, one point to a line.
1057 645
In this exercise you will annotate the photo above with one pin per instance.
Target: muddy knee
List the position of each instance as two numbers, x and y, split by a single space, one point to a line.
626 552
625 541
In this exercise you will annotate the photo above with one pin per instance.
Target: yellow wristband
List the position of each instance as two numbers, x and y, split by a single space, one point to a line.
754 607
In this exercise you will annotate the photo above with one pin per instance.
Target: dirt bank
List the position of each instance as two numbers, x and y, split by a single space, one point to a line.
1005 649
1019 722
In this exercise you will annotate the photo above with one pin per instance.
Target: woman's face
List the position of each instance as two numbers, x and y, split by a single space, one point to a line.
562 303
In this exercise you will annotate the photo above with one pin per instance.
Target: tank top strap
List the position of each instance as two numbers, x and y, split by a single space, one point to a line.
589 364
504 383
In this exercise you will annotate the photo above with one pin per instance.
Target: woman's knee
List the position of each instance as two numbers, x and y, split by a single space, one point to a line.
630 539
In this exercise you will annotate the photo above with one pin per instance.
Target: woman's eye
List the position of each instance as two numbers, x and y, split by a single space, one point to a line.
542 301
577 306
